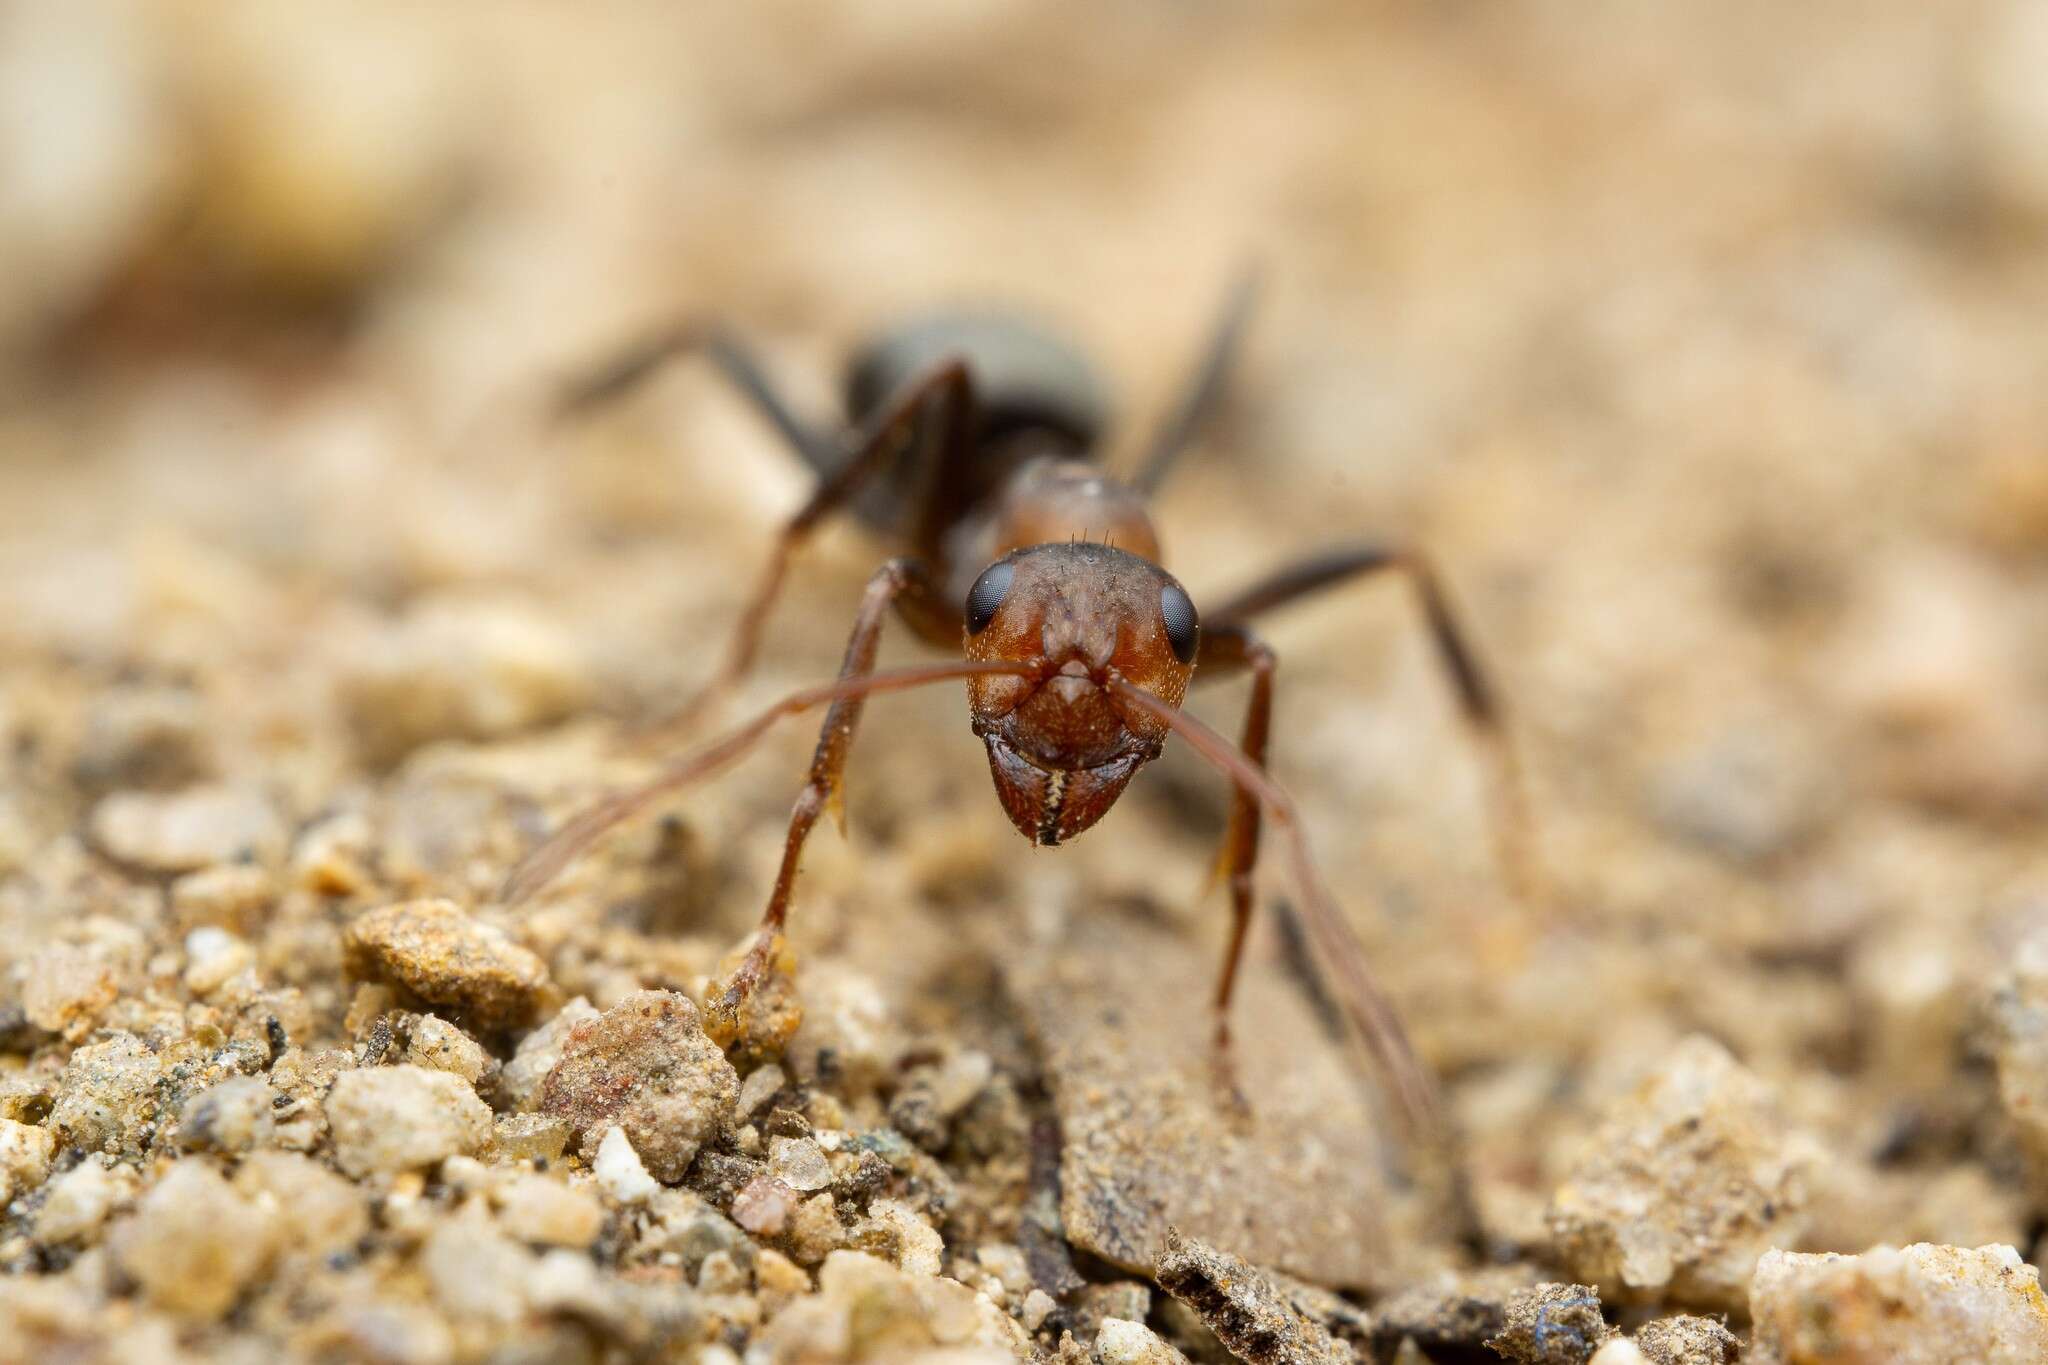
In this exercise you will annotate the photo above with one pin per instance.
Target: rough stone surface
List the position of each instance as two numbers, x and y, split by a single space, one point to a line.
1552 1324
188 830
1917 1305
398 1118
1686 1340
646 1067
1685 1184
523 1076
25 1151
1120 1013
2019 1014
1246 1310
107 1098
63 990
194 1243
1118 1342
447 958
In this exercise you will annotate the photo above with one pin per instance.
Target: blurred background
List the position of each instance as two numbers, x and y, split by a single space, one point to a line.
1703 343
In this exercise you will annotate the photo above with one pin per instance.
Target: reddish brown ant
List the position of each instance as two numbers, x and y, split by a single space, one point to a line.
972 441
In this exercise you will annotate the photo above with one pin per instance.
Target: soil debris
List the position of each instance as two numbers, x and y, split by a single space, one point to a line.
1686 1183
645 1067
1552 1324
447 958
1246 1310
1916 1305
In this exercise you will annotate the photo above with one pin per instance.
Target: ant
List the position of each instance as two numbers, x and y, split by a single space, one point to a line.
972 440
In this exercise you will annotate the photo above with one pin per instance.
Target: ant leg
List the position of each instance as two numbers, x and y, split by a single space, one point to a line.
1203 389
946 386
624 371
899 580
1224 647
593 822
1374 1021
1477 700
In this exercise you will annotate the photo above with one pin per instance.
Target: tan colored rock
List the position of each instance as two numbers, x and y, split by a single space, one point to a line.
1119 1342
620 1172
867 1309
194 1243
107 1099
80 1201
460 668
231 896
447 958
1686 1183
233 1116
1244 1308
544 1211
438 1045
64 989
2019 1017
396 1118
522 1077
318 1212
25 1152
1918 1305
1686 1340
646 1067
188 830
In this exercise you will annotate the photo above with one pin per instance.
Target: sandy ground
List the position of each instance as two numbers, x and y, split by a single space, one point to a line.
1700 343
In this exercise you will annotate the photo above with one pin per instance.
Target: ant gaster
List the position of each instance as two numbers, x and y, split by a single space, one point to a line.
972 441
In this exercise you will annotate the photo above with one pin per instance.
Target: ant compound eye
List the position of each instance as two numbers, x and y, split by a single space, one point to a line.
1183 631
987 594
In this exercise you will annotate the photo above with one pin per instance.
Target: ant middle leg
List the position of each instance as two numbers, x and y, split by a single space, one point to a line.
944 393
1478 701
902 583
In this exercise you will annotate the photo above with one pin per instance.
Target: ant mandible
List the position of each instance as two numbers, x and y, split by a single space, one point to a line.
972 441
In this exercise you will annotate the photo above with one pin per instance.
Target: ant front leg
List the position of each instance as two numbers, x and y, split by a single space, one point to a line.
1477 699
901 582
1225 649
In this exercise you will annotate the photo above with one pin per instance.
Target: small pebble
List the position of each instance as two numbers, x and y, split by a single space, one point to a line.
231 896
919 1248
445 957
81 1199
213 957
25 1152
106 1100
397 1118
620 1172
799 1163
546 1212
763 1206
762 1084
194 1244
1687 1182
645 1066
319 1213
532 1137
64 989
233 1116
1038 1306
1552 1324
438 1045
1918 1305
1119 1342
188 830
522 1077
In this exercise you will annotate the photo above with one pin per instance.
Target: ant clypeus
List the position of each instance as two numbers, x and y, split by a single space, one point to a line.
971 441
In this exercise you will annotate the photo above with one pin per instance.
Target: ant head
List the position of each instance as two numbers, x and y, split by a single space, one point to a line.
1061 745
